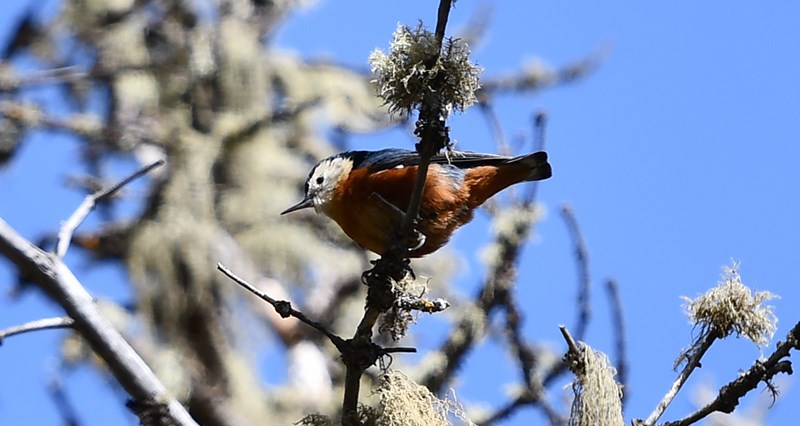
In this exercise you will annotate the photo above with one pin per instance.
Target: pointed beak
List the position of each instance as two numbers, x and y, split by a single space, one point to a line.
306 203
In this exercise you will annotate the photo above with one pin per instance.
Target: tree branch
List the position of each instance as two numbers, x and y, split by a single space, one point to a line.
729 395
357 354
619 325
90 202
42 324
284 308
433 136
31 116
10 81
692 361
582 262
55 278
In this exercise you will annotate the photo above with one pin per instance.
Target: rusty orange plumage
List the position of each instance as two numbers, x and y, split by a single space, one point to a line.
367 192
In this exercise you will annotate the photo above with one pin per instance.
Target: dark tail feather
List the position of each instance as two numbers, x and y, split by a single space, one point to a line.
537 163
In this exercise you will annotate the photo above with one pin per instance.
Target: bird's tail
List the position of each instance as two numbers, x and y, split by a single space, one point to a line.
484 182
537 164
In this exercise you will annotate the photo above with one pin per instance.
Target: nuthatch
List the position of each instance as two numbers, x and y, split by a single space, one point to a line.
368 192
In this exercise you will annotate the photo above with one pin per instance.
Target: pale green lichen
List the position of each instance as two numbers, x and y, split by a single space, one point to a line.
598 396
419 69
732 308
403 402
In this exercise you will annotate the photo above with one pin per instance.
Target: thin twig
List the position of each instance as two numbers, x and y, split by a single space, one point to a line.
729 395
48 76
42 324
618 322
357 354
69 415
539 130
572 345
522 400
693 361
531 79
81 124
283 308
524 354
495 127
533 393
539 142
584 286
582 263
89 203
441 19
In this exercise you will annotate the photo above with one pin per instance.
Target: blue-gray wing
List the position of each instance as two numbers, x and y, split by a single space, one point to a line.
394 157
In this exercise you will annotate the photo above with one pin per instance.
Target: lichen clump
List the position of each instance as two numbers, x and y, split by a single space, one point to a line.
731 307
598 396
404 402
419 68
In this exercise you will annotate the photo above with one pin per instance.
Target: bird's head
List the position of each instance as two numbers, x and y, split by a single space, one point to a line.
322 183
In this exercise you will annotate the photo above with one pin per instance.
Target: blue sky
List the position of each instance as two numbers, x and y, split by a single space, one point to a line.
678 155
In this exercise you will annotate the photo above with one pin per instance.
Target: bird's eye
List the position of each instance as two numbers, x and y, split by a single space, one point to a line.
320 180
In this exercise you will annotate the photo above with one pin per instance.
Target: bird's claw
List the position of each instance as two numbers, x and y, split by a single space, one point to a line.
419 239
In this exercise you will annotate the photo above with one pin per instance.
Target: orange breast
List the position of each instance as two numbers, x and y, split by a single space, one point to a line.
370 206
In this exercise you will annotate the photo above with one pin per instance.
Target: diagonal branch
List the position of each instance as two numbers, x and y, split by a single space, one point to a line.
10 81
284 308
55 278
693 357
729 395
90 202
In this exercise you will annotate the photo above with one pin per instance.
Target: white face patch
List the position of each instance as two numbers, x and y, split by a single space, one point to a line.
324 179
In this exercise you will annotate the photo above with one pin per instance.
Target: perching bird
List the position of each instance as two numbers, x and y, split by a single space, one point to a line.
368 192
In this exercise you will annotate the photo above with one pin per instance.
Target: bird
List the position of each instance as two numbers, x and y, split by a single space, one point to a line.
368 192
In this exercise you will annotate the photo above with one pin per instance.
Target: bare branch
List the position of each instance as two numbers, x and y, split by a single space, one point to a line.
526 399
572 345
534 77
582 262
55 278
89 203
441 18
496 128
81 124
761 371
619 326
584 283
42 324
692 362
10 81
357 354
284 308
69 415
533 392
